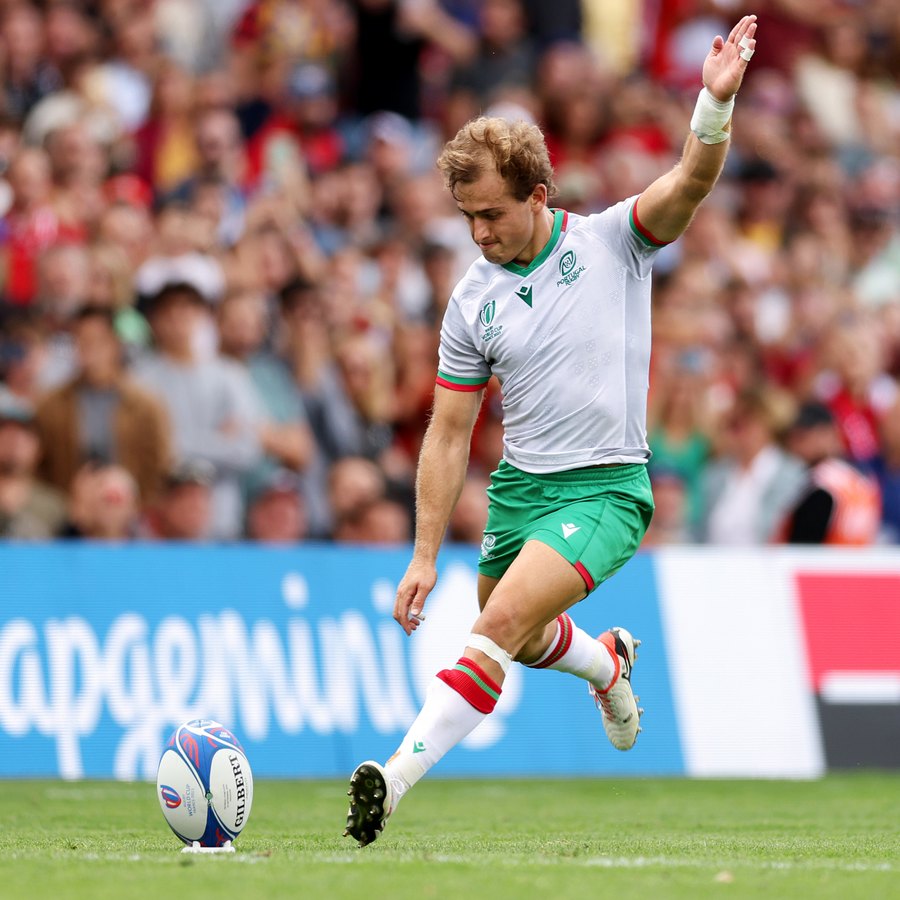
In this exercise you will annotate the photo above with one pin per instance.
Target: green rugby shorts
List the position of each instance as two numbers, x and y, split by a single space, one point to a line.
594 517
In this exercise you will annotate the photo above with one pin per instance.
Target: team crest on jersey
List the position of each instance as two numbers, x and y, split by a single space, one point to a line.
486 316
569 269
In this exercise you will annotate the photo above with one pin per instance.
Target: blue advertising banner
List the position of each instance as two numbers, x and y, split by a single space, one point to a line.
103 650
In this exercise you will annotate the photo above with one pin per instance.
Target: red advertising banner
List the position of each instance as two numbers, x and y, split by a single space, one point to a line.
851 623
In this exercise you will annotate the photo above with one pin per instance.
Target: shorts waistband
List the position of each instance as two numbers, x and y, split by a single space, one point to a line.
605 474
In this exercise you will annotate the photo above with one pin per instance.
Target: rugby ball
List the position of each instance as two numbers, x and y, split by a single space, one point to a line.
204 784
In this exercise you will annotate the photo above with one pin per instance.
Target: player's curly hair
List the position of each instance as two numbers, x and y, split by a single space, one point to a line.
516 149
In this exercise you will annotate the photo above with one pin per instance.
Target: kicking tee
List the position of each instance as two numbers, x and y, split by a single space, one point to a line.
568 338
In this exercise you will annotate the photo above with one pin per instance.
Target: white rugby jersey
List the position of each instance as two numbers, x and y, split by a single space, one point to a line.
567 336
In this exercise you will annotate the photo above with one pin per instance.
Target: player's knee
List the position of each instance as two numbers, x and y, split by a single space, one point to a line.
500 625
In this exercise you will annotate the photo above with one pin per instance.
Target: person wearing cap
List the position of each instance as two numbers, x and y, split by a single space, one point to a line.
214 410
276 512
102 414
839 504
301 133
29 509
183 511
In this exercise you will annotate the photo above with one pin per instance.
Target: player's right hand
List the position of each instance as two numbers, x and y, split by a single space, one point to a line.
412 592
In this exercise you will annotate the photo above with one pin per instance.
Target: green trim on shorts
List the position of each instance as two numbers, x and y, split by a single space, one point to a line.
594 517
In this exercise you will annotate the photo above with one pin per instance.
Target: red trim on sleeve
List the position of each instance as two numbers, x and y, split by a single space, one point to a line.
647 234
453 386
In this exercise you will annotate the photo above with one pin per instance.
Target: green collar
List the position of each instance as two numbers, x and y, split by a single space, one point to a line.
558 216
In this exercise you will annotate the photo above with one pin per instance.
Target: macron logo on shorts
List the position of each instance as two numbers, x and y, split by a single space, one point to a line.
568 529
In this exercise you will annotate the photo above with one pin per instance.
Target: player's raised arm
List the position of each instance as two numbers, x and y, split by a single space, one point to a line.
440 476
666 207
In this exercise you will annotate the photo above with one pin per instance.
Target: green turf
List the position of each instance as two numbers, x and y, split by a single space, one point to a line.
839 837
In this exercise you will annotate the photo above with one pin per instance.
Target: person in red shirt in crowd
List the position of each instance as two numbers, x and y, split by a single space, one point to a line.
300 132
855 386
31 225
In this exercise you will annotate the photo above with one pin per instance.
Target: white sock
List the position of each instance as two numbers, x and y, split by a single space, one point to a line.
575 651
456 702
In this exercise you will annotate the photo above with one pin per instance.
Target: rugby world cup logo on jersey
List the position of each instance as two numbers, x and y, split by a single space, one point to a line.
486 317
569 269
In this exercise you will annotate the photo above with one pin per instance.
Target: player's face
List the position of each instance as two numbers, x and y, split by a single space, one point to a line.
505 229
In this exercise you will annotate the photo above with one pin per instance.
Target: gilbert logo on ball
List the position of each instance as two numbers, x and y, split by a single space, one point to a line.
204 784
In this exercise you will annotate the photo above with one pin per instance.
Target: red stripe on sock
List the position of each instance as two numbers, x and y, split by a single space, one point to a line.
469 689
563 642
583 572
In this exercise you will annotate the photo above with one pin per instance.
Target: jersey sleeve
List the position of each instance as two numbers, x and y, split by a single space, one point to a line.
460 366
622 231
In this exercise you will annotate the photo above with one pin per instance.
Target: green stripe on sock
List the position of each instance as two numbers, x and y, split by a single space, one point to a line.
478 681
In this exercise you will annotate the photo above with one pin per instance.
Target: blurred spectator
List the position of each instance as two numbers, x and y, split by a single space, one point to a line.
164 146
221 172
853 382
22 355
308 354
276 513
243 328
183 510
101 414
63 271
671 522
383 521
27 73
285 435
886 470
125 79
353 484
103 505
367 370
212 405
29 510
79 165
834 85
30 226
470 513
390 40
839 504
680 423
749 489
301 134
506 56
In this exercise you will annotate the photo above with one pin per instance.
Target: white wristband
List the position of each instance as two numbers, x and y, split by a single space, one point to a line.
710 118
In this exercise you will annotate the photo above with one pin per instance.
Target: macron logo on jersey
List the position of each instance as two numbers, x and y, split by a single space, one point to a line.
568 529
524 293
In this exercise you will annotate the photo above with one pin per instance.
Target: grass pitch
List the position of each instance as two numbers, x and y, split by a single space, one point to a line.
660 839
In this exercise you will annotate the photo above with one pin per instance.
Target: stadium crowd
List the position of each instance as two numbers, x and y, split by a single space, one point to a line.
225 252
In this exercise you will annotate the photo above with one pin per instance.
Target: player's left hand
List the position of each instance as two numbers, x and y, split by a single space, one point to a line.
723 70
412 592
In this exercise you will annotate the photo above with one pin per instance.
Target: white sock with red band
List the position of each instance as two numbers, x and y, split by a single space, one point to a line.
576 652
457 701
